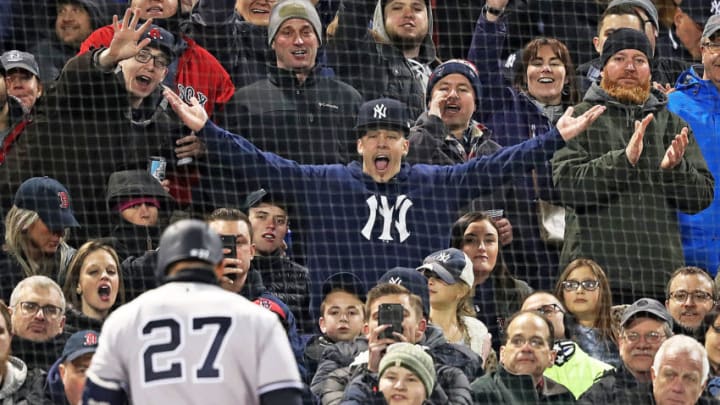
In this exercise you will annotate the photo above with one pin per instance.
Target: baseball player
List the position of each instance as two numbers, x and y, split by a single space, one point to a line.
189 341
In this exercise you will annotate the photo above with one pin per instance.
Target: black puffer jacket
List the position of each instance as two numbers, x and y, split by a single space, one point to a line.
290 282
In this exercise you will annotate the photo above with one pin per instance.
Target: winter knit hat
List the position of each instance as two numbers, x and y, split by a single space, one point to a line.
646 5
413 358
461 66
287 9
625 38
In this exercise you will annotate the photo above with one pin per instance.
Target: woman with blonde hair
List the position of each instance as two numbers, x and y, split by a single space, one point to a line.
35 231
450 286
584 290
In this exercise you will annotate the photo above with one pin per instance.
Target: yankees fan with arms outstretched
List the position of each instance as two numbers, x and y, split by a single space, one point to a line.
189 341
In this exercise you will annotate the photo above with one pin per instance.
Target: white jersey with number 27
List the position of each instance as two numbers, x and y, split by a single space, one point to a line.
193 343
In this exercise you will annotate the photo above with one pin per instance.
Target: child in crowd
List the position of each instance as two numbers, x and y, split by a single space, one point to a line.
583 289
342 315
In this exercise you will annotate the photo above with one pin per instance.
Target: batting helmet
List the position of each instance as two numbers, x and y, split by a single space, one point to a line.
188 239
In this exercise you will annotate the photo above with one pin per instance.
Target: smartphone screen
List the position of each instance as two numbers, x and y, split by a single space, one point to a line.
229 243
390 314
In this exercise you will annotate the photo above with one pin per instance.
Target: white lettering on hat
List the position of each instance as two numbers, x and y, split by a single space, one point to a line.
14 56
395 280
442 257
715 7
200 253
379 111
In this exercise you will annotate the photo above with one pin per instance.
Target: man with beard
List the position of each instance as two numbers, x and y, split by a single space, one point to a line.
624 179
393 60
690 296
644 326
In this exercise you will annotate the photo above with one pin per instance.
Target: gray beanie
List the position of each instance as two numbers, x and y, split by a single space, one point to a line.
646 5
711 26
413 358
287 9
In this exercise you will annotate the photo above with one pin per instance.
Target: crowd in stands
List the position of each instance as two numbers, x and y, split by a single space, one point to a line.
451 202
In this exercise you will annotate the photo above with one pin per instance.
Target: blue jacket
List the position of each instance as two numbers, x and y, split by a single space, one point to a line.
697 101
358 225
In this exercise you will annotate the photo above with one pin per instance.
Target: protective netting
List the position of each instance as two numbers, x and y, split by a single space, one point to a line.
94 119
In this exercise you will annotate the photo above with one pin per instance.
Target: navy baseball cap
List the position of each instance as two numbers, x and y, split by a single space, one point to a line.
450 265
82 342
19 60
161 39
50 199
699 10
383 113
648 306
347 282
188 239
411 279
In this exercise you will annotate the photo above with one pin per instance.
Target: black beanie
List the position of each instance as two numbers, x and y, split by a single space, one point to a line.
625 38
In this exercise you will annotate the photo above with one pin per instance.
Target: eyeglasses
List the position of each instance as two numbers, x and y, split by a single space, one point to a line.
31 308
650 337
681 296
159 61
535 342
712 47
587 285
546 310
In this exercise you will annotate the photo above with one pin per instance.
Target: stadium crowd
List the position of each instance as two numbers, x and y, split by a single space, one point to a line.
438 202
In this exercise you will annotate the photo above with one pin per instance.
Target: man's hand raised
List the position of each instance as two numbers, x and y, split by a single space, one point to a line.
676 150
635 146
125 39
570 126
193 115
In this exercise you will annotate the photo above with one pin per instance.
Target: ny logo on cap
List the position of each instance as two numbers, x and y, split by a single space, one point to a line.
395 280
14 56
442 257
155 34
64 199
715 7
90 339
379 111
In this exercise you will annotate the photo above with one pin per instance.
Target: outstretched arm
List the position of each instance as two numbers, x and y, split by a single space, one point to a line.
124 43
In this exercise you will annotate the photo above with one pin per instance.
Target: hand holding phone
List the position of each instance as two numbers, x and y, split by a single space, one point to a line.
390 314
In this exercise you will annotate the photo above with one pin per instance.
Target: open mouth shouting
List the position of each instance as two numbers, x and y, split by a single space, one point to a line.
105 292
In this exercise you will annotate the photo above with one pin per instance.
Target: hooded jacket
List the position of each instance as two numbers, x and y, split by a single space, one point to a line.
697 101
379 69
52 54
127 238
20 385
622 216
375 226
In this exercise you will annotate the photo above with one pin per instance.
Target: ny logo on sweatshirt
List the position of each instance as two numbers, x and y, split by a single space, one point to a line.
389 213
